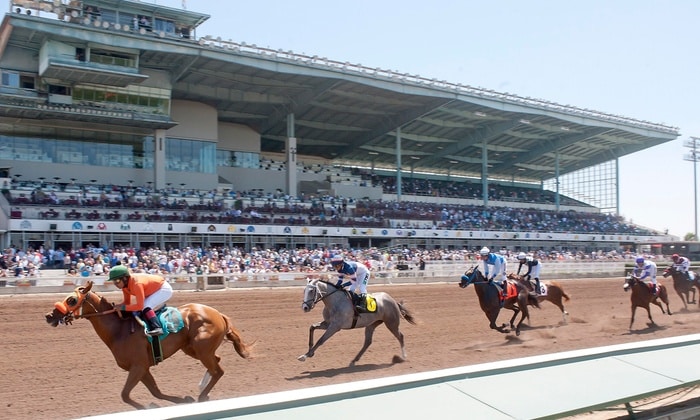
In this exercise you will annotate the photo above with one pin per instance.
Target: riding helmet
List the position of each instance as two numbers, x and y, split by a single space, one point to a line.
484 251
336 259
118 271
675 257
522 256
639 260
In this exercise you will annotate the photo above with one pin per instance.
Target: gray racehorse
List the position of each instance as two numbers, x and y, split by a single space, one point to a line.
339 313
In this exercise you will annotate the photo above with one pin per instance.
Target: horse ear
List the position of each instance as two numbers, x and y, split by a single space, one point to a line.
87 287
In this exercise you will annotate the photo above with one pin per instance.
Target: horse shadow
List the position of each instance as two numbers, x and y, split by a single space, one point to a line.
651 328
329 373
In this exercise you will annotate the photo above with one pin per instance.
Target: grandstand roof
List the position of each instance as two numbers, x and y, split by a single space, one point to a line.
350 113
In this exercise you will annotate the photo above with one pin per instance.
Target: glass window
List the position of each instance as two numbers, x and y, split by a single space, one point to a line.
10 79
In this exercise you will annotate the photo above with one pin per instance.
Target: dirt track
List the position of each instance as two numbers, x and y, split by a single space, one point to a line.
67 372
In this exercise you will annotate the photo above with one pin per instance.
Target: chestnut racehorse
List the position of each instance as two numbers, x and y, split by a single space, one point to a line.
682 285
490 301
642 296
554 292
204 330
339 314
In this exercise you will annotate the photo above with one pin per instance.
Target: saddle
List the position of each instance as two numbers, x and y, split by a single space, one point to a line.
171 320
511 291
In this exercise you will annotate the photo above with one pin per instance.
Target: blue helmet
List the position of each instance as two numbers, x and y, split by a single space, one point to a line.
639 260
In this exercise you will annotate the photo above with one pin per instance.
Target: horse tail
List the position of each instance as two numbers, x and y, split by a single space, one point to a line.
234 336
563 293
407 314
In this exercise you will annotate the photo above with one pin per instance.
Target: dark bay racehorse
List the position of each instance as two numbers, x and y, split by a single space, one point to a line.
339 314
490 301
642 296
682 285
554 292
204 330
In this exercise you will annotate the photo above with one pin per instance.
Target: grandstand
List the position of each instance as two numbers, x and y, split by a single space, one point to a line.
114 132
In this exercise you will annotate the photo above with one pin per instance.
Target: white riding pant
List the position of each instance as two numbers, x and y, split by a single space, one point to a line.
361 283
158 299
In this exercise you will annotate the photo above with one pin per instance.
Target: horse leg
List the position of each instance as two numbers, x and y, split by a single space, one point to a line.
393 326
151 385
516 311
135 375
319 325
493 316
369 332
557 301
211 376
330 330
634 309
657 303
685 296
649 312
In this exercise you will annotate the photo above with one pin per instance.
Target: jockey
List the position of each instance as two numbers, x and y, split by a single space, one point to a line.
533 269
499 269
645 268
359 277
151 292
682 265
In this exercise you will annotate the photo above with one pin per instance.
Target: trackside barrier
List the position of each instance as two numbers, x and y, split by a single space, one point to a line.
559 384
56 281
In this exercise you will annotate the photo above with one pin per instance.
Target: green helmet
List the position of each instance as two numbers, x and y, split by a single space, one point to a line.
117 272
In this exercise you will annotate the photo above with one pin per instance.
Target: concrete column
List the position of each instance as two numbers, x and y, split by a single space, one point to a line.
159 160
291 154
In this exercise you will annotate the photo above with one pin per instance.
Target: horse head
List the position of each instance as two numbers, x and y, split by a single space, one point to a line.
78 304
630 281
471 276
669 271
312 294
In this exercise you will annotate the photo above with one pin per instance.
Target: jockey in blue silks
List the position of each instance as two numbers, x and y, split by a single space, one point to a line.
358 274
499 269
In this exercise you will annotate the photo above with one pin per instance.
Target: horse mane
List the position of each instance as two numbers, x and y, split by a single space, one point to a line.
329 283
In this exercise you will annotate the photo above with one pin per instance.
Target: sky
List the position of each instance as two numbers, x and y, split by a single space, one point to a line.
635 58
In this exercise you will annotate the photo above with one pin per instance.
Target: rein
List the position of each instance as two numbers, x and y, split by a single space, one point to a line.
319 295
89 315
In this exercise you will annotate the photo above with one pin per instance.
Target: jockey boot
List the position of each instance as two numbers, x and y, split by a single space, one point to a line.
152 322
537 286
361 301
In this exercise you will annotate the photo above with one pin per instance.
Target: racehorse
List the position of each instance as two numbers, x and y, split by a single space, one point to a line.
490 301
551 291
682 285
204 330
642 296
339 313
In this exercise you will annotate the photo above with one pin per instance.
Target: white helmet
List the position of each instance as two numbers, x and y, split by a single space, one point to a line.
522 256
484 251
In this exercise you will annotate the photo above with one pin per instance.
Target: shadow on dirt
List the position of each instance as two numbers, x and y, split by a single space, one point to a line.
330 373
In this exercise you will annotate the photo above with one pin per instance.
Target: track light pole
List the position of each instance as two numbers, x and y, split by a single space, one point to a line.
694 144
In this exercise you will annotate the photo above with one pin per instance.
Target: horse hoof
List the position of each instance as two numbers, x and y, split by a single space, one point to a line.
189 399
302 358
517 333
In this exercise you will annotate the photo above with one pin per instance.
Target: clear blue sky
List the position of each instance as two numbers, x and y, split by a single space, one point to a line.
636 58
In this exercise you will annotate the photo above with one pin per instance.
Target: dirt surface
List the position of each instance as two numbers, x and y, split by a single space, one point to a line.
68 372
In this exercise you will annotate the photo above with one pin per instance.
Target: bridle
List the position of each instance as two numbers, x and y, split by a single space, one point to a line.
73 304
318 294
472 275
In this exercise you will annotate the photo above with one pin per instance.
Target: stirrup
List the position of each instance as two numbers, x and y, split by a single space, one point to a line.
154 332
